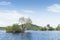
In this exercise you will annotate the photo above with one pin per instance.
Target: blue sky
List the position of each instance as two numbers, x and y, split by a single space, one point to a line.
42 12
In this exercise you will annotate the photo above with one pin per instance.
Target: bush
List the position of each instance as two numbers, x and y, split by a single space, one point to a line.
9 29
15 28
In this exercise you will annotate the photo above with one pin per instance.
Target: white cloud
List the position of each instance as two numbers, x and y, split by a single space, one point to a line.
9 17
5 3
40 21
54 8
28 11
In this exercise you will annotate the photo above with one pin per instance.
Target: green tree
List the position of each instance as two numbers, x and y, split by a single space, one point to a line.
43 28
28 23
49 27
9 29
16 28
25 23
58 27
22 22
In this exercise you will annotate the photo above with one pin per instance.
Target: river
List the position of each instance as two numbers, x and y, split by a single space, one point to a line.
31 35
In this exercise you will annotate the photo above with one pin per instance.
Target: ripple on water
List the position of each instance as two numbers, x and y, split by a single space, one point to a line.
31 35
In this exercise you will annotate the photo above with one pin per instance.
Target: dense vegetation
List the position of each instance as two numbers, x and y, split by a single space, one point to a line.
23 24
31 27
26 24
14 28
2 28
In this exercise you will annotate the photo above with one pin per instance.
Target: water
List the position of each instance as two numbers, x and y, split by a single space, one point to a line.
31 35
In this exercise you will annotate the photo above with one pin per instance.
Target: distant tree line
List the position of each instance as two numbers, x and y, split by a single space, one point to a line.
26 24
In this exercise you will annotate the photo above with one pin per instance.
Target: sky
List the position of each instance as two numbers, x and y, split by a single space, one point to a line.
41 12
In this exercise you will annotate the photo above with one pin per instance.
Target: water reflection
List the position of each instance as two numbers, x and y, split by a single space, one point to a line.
25 36
20 36
39 35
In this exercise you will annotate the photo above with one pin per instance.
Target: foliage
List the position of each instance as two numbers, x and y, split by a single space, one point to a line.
49 27
2 28
33 27
9 29
15 28
43 29
18 28
58 27
25 23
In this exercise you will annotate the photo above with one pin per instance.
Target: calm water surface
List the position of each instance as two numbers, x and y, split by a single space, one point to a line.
31 35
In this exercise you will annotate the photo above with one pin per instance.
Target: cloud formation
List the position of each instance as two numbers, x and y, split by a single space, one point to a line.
28 11
9 17
5 3
54 8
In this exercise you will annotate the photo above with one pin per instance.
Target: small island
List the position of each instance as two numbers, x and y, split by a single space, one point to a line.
19 27
26 24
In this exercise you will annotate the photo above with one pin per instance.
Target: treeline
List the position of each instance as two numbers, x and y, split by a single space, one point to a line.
41 28
26 24
2 28
33 27
45 28
18 28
